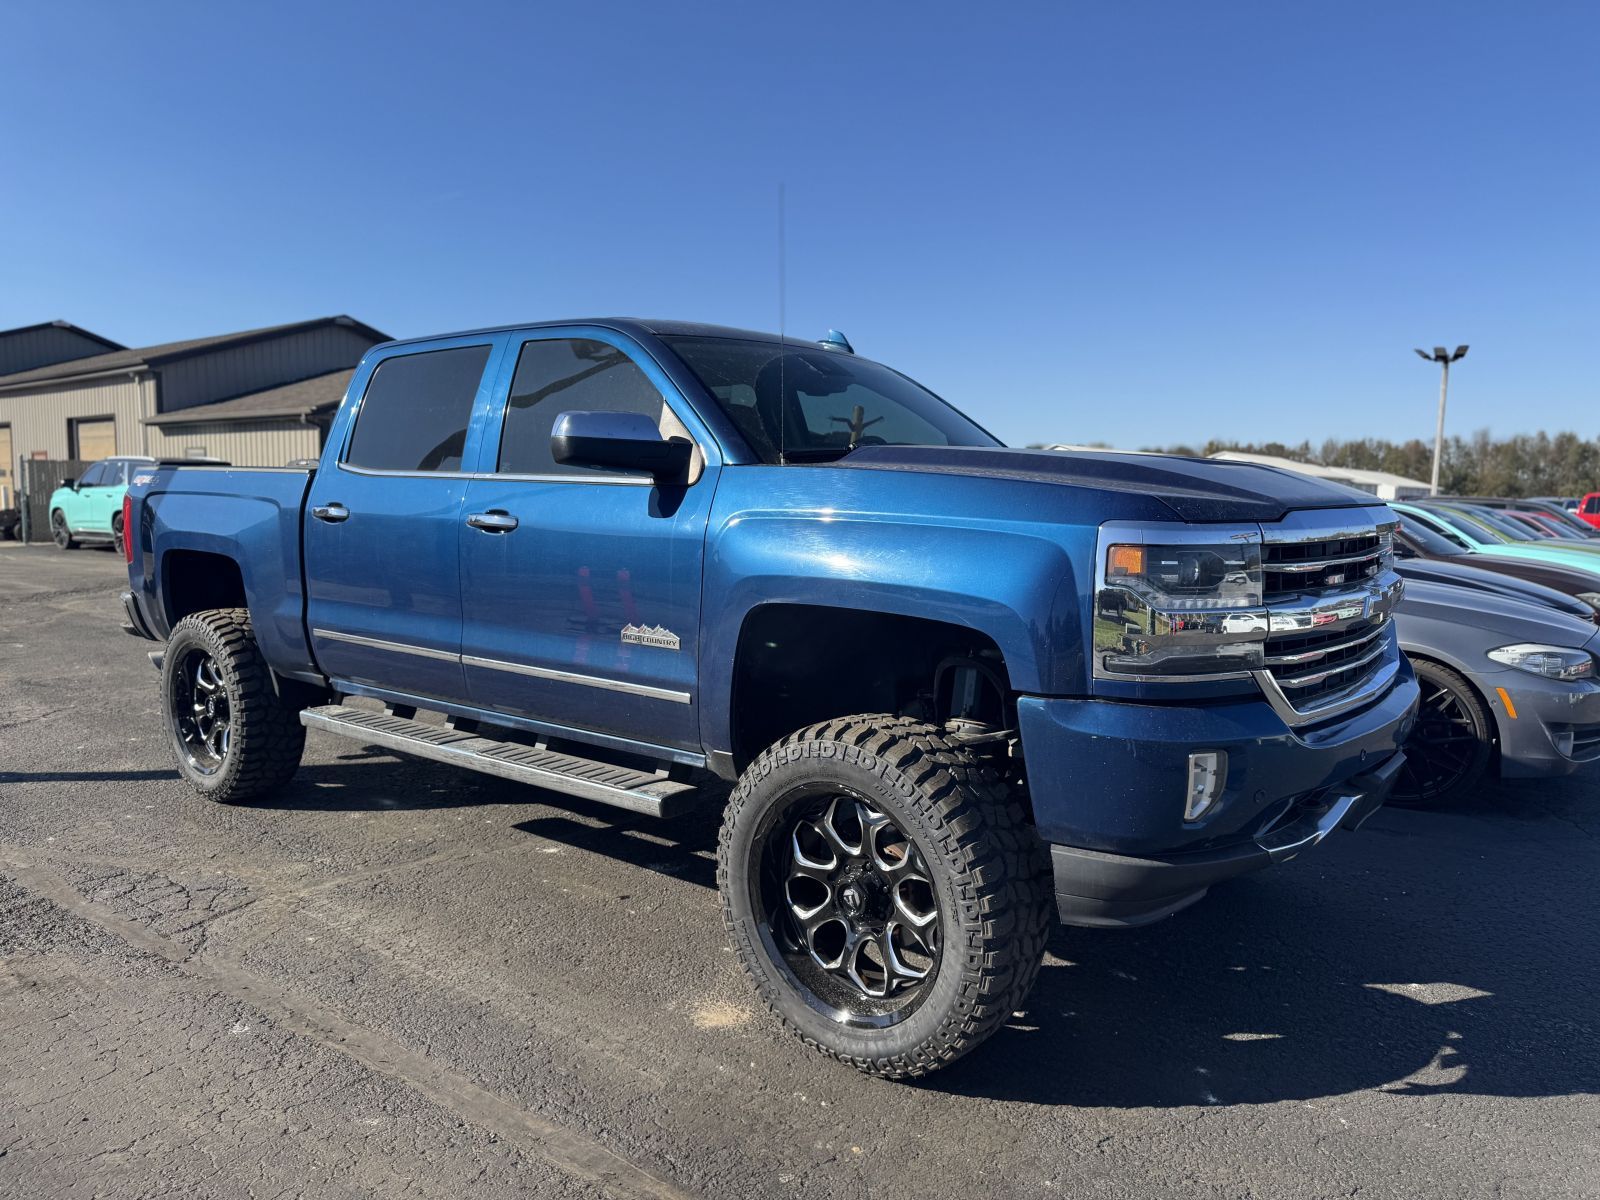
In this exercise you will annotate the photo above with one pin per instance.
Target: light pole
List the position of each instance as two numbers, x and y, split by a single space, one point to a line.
1444 358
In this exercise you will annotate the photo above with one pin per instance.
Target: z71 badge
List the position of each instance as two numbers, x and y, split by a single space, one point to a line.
650 635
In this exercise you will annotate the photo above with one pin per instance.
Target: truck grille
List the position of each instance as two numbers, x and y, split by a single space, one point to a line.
1293 567
1310 666
1328 643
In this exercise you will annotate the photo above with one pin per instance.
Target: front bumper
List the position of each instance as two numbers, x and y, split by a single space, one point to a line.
1556 728
1107 782
1098 889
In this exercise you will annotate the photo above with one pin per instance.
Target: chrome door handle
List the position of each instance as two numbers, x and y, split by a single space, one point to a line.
493 521
332 513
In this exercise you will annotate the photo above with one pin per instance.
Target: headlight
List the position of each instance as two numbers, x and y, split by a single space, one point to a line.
1188 577
1553 662
1180 610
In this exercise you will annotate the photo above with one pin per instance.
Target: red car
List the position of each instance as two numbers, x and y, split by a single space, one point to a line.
1589 509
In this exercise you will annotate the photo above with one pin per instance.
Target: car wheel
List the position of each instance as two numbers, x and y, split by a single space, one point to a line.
234 738
116 535
59 533
1448 751
885 892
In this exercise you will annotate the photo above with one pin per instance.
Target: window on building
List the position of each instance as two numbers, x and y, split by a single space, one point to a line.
561 375
416 410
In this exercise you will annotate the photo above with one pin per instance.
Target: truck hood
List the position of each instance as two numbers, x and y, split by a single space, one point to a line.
1194 489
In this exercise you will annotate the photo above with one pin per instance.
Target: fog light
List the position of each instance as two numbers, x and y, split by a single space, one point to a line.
1208 771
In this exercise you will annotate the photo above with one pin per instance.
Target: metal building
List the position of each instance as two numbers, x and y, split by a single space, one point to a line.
31 346
249 397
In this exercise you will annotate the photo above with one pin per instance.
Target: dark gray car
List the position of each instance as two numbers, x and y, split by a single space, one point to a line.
1508 684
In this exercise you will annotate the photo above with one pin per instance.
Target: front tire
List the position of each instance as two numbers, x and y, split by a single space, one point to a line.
233 736
1449 748
885 892
60 533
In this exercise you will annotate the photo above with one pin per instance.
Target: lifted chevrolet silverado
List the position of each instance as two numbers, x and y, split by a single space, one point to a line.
958 688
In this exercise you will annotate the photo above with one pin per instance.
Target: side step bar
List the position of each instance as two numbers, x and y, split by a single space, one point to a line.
639 791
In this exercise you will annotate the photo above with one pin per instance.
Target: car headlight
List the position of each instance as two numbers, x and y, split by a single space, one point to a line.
1181 578
1553 662
1179 610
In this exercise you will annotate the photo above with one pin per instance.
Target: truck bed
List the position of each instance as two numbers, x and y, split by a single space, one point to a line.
251 516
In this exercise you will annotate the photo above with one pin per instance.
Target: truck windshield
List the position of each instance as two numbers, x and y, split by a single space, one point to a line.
830 402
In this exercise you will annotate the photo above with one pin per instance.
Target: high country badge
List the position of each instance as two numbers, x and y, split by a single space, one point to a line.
650 635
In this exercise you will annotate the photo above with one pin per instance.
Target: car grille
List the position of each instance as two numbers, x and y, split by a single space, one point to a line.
1294 567
1341 652
1311 666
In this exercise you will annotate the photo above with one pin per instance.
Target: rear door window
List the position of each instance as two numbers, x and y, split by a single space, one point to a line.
414 415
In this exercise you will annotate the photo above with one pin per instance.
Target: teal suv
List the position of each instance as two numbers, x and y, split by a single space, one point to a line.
89 508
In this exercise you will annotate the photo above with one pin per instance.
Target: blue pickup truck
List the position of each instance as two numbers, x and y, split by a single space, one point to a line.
959 690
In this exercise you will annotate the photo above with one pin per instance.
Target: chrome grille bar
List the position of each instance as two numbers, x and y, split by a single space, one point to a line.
1314 677
1312 655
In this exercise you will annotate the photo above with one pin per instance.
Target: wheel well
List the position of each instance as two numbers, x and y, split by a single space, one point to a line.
196 580
797 664
1477 692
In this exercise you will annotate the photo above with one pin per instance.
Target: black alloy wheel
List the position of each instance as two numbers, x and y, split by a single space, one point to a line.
116 535
59 531
885 890
1448 751
848 900
202 718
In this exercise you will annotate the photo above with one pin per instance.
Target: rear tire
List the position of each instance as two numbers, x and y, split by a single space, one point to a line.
116 535
1448 751
60 533
234 737
885 892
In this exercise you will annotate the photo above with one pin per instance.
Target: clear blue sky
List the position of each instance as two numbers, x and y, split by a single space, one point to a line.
1136 223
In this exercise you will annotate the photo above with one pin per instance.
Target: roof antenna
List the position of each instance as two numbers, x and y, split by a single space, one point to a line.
783 349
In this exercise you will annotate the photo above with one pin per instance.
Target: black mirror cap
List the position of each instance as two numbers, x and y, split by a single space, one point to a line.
70 482
622 441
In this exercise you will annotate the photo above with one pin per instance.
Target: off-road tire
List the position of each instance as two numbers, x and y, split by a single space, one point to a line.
266 737
1442 686
990 869
60 532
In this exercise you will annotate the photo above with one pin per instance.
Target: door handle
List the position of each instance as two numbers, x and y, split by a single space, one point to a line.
493 521
332 513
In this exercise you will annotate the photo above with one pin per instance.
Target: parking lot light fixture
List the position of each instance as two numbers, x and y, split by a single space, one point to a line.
1444 358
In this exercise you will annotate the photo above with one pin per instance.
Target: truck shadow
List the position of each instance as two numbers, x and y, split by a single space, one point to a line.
1300 987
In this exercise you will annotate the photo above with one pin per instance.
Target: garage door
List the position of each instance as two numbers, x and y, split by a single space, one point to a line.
96 438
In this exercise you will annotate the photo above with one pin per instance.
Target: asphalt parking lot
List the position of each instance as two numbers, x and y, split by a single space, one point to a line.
397 979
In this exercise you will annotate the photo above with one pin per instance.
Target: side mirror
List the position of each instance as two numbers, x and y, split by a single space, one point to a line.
70 483
624 441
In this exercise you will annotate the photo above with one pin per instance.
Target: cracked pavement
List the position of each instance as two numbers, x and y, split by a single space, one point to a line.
398 980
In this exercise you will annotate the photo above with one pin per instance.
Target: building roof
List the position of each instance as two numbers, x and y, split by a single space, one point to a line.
301 399
150 356
1360 474
69 327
